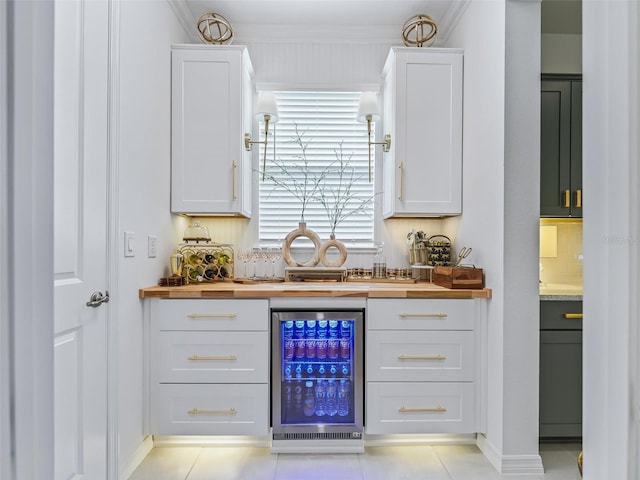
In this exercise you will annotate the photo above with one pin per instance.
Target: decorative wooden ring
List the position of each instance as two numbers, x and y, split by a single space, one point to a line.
301 231
336 244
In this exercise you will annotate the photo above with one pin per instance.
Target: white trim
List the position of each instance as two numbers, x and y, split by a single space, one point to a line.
510 464
354 34
185 18
451 19
426 439
30 222
5 395
137 458
209 441
113 220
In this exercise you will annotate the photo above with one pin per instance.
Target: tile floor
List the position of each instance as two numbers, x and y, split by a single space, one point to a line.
377 463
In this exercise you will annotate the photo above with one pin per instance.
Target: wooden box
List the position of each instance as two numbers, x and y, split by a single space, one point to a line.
458 277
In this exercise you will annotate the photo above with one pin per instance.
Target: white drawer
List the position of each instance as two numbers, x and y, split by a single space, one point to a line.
210 357
210 409
420 356
202 314
395 408
420 314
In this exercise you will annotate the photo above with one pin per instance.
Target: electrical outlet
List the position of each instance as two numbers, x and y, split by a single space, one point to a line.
152 246
129 244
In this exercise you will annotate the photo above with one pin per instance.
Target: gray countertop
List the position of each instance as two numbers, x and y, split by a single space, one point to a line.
560 292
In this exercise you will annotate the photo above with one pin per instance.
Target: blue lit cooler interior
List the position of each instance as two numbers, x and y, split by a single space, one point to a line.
317 361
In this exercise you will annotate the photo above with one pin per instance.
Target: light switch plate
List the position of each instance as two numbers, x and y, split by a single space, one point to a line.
152 246
129 244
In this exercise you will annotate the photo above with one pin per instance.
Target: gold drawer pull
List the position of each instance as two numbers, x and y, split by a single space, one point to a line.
579 198
212 315
572 315
567 198
423 315
195 411
421 357
198 357
422 410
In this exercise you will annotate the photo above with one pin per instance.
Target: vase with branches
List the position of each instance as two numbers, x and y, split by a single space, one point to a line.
332 187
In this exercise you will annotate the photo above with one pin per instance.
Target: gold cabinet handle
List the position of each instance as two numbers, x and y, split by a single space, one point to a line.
212 315
401 168
421 357
423 315
198 357
233 180
572 315
439 408
197 411
578 198
567 198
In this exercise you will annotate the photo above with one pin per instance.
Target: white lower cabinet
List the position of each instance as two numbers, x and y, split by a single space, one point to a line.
421 366
210 409
420 407
209 367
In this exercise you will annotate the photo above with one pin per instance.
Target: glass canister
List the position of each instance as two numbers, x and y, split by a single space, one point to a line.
379 262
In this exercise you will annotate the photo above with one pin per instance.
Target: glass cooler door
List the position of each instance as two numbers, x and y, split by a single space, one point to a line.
318 369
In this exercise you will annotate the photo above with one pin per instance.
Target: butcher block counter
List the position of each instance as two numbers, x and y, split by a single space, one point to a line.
312 289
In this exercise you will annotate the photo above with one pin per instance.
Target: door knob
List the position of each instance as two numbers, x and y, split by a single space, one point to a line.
98 299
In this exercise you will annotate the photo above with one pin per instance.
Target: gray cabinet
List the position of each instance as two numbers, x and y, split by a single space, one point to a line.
560 369
561 147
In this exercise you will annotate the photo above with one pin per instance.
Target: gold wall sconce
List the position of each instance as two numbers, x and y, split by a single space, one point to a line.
369 111
268 111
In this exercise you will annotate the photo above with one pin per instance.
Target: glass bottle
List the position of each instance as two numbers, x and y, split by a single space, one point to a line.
379 262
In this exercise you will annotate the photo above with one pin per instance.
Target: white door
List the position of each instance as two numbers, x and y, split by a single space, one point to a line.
80 253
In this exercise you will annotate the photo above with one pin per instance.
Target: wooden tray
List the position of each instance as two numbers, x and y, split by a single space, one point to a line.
459 277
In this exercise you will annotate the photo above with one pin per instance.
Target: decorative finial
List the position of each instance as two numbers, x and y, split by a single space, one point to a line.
413 31
214 28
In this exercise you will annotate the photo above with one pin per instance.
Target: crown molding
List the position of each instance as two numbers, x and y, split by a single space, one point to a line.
450 21
185 17
330 34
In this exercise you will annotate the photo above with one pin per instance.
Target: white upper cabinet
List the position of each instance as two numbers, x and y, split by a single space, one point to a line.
211 103
423 114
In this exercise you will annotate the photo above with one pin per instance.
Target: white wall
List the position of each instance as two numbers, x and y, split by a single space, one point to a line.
145 31
611 151
26 175
501 189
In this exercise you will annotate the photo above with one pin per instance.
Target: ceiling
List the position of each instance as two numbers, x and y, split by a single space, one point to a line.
384 15
337 12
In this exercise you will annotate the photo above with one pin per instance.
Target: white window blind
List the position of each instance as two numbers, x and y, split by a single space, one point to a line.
319 145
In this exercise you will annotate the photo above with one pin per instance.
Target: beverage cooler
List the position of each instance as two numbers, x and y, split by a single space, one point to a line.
317 376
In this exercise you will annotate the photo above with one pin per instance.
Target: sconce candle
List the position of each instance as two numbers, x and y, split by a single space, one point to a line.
369 111
267 110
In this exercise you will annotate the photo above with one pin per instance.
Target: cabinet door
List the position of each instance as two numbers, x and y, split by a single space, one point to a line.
561 315
209 119
561 148
423 106
560 383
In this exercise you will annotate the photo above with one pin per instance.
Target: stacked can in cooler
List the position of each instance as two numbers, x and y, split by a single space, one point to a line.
317 367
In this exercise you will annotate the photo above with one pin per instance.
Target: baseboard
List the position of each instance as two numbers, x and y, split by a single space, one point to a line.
510 464
136 459
426 439
210 441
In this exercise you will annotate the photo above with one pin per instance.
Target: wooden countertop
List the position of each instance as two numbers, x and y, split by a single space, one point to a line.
311 289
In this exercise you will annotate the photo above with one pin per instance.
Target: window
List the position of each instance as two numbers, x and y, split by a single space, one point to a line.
318 142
